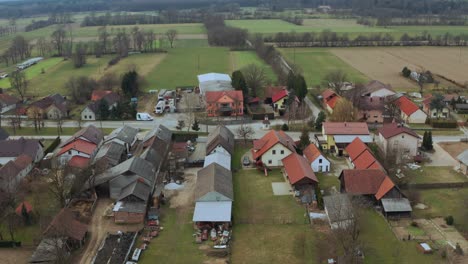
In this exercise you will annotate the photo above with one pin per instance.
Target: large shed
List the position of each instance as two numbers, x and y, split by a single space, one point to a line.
210 82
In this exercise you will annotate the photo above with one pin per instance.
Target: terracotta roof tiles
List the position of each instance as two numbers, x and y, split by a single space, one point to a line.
298 169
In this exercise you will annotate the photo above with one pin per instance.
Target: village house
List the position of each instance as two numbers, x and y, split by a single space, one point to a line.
337 135
124 135
224 103
13 172
371 109
361 157
279 99
13 148
398 140
339 210
81 148
463 161
213 195
329 99
211 82
65 225
221 139
91 111
316 159
270 91
7 102
409 111
50 107
435 113
272 148
300 175
377 89
220 158
376 186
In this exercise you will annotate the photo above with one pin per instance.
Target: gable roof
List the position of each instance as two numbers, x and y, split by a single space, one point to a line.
78 162
214 178
112 151
463 157
16 147
133 166
366 182
311 152
136 188
221 135
7 99
330 98
23 161
272 90
406 105
298 169
374 86
279 95
345 128
328 93
271 139
355 148
19 208
219 158
212 76
99 94
125 133
3 134
46 102
214 96
365 160
394 129
78 145
65 224
91 133
8 173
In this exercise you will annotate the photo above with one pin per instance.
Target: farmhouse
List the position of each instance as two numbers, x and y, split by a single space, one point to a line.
221 139
7 102
371 109
270 91
11 149
90 134
278 100
84 143
272 148
300 174
125 136
330 98
337 135
110 154
317 161
396 139
50 107
463 160
339 210
377 89
91 111
220 158
213 194
13 172
361 156
432 112
211 82
224 103
65 225
409 111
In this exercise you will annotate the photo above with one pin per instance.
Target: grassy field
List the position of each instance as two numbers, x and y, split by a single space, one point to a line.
327 181
434 175
317 62
182 65
240 59
32 71
444 202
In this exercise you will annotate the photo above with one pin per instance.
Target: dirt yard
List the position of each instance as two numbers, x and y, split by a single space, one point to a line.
454 148
385 64
184 198
15 256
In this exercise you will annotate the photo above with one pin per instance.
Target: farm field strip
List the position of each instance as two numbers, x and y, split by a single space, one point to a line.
240 59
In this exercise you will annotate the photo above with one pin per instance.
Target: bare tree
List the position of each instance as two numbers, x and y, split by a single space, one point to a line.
344 111
335 79
245 132
59 39
171 35
255 78
19 83
58 184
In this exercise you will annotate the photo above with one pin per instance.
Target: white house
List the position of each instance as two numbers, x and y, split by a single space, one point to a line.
272 148
435 113
221 139
377 89
398 140
89 112
317 161
13 148
214 82
410 112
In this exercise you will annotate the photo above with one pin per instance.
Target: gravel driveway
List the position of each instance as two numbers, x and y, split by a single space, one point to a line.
440 157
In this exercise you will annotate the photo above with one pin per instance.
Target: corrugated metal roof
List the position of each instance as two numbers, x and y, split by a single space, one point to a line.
209 77
219 158
212 212
396 205
350 138
463 157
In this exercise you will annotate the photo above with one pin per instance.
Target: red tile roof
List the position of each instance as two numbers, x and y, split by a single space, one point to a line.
279 95
271 139
328 93
78 162
78 145
298 169
393 129
366 182
355 148
330 98
365 160
406 105
332 102
271 90
214 96
19 209
345 128
311 153
99 94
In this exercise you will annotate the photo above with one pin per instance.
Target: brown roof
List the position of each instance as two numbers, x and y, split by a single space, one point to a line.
374 86
49 100
8 172
271 139
22 161
311 152
16 147
214 178
221 135
8 99
65 224
298 169
393 129
366 182
371 103
345 128
91 133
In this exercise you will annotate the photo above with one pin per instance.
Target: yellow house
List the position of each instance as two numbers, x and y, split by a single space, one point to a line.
337 135
279 99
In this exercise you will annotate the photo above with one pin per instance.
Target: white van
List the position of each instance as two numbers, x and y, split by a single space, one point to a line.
161 94
136 254
159 109
144 117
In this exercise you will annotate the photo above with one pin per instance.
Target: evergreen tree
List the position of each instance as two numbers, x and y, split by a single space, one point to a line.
130 84
429 141
285 127
300 87
195 125
238 82
291 81
424 140
304 140
320 119
116 112
103 110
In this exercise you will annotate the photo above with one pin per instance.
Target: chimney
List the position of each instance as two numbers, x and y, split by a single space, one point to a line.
344 123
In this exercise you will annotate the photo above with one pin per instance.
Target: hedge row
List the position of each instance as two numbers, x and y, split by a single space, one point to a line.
443 123
52 146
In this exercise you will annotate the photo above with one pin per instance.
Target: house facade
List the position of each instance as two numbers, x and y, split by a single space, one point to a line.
338 135
224 103
279 99
377 89
396 139
272 148
435 113
316 159
89 112
221 139
409 111
13 148
330 98
50 107
463 162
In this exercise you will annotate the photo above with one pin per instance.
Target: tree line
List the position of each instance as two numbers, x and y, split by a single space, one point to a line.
329 38
294 20
54 18
219 34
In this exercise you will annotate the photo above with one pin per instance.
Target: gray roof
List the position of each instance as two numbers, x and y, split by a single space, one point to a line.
112 151
45 251
219 158
130 207
91 133
126 134
161 132
221 135
461 106
396 205
16 147
463 157
159 146
338 207
138 189
214 178
132 166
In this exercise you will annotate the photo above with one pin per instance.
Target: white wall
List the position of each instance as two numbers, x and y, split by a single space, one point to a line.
276 157
405 144
321 167
5 160
87 114
65 157
382 93
219 148
418 117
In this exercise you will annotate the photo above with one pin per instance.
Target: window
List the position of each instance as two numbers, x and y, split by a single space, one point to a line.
69 152
282 152
320 160
274 152
269 161
402 136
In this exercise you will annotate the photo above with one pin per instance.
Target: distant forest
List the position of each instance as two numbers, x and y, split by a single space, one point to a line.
374 8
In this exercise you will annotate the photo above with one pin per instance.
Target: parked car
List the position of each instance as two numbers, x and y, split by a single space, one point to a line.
3 75
246 161
144 117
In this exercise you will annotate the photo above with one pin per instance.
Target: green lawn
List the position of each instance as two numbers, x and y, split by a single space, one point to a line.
444 202
240 59
316 63
327 181
239 151
434 175
268 228
32 71
182 65
188 28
